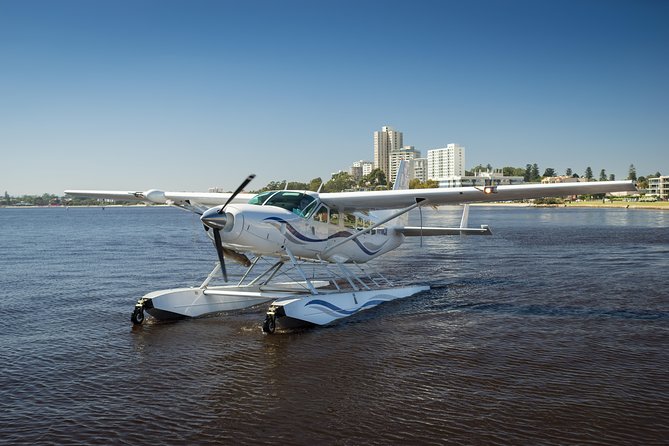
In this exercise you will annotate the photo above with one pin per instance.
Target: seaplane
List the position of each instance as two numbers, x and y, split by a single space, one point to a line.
307 253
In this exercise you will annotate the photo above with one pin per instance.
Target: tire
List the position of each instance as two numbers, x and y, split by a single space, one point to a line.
269 325
137 316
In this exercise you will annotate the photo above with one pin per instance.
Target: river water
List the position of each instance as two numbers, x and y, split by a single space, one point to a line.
555 330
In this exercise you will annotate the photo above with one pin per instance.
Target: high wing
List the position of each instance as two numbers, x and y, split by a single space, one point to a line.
161 197
397 199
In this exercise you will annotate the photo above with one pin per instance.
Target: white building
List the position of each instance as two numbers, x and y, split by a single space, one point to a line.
385 141
361 168
446 162
406 153
418 168
563 179
480 178
659 187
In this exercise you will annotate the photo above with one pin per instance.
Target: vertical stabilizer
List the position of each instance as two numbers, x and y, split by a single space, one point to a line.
401 183
402 177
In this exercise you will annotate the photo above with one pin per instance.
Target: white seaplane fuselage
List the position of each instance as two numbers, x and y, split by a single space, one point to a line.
272 231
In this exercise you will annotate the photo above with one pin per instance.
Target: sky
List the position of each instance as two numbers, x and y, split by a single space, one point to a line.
187 95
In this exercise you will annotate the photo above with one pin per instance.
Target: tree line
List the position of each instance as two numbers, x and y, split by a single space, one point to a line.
342 181
339 181
530 174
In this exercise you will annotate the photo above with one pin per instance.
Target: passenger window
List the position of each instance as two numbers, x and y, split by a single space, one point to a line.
334 217
321 214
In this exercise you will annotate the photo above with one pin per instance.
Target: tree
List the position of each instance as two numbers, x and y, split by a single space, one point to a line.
513 171
549 172
612 177
602 175
8 201
418 184
535 172
569 172
642 182
296 185
273 185
339 182
588 173
315 184
632 173
527 176
375 178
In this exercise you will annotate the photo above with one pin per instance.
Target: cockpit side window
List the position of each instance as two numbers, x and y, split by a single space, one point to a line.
309 207
260 198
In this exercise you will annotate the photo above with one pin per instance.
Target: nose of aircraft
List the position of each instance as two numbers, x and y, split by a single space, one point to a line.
213 219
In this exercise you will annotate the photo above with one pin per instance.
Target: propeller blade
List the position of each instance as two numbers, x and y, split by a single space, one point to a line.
219 251
236 192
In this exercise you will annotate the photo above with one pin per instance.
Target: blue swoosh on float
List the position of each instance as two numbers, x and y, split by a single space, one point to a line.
341 311
297 234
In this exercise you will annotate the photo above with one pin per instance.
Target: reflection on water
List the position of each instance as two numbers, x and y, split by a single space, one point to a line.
554 330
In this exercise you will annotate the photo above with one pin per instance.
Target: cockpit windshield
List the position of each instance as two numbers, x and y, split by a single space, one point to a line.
261 197
297 202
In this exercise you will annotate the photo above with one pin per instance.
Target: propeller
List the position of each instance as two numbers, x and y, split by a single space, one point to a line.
219 251
216 220
236 192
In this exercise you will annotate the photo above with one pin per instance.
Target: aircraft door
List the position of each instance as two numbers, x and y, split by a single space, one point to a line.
320 222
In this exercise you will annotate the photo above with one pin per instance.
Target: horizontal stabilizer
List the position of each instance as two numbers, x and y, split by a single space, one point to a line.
417 231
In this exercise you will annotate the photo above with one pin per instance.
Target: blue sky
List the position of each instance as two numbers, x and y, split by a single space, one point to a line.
185 95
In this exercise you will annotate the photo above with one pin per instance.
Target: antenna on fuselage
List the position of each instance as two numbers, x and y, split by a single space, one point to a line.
285 187
319 188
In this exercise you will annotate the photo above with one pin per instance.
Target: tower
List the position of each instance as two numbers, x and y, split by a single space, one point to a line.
446 162
385 141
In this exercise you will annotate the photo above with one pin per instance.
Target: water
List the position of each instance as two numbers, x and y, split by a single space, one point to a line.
555 330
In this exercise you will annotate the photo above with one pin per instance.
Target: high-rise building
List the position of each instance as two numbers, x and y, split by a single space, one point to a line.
385 141
446 162
406 153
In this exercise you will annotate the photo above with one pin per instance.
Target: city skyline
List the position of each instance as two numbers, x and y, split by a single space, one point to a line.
192 95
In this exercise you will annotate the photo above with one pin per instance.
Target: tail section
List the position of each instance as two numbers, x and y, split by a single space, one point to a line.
401 183
402 177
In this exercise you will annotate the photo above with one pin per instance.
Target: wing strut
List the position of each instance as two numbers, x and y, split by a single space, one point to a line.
465 216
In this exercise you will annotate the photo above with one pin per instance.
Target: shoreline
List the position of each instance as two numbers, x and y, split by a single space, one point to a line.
656 206
87 206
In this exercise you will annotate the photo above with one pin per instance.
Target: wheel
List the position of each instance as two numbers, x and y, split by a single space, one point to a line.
269 325
137 316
